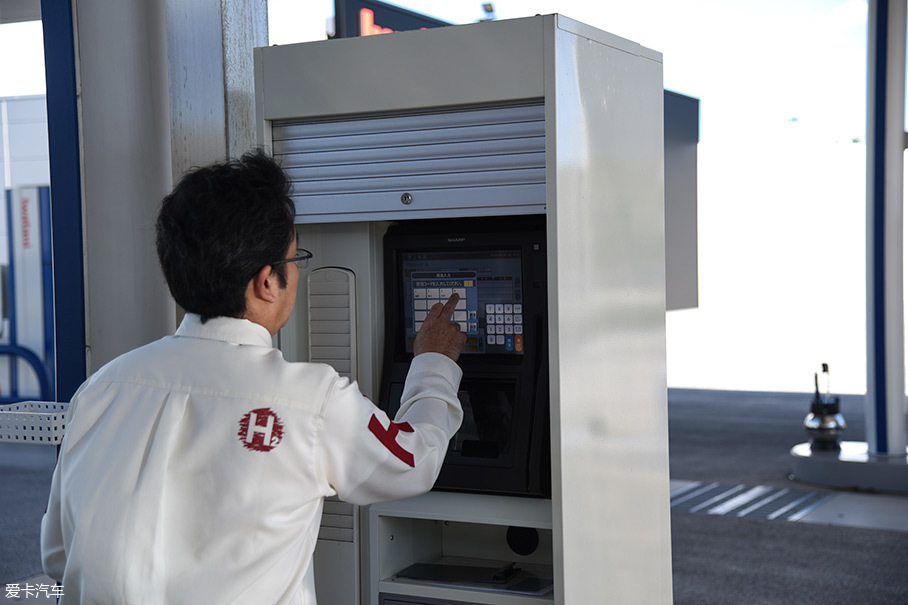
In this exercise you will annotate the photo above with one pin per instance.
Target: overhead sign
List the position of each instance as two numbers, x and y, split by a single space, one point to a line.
369 17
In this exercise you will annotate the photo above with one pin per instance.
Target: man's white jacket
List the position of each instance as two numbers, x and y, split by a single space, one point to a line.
194 469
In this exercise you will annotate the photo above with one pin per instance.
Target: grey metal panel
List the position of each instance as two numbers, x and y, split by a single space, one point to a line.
682 133
15 11
456 65
336 567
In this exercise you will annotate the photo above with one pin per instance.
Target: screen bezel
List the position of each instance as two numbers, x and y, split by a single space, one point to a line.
483 236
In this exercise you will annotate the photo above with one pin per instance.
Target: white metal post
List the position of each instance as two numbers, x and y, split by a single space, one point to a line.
885 406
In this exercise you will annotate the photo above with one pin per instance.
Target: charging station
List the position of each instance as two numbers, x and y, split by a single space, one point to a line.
543 116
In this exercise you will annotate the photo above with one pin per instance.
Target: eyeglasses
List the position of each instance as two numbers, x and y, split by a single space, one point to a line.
301 259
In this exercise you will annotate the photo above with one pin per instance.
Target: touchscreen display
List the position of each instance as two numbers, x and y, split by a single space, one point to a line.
490 309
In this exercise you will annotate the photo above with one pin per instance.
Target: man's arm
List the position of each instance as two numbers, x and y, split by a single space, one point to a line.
438 334
369 458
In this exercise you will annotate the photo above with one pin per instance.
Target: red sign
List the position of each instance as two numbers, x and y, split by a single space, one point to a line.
371 17
367 26
26 224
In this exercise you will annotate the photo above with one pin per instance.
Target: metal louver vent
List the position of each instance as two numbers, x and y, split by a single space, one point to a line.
332 319
417 162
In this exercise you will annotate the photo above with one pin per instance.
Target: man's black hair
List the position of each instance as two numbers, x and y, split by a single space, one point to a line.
219 227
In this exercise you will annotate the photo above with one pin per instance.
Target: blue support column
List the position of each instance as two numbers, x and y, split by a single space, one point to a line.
47 280
11 310
66 205
881 462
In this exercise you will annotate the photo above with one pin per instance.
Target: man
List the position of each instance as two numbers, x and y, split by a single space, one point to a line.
194 468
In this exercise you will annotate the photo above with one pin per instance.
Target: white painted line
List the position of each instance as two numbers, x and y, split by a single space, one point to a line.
686 488
807 509
699 492
739 500
718 498
790 506
763 502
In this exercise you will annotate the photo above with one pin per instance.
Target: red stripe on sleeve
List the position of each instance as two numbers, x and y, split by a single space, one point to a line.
388 438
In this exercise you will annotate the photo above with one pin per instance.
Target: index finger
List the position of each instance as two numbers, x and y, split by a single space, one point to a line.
447 311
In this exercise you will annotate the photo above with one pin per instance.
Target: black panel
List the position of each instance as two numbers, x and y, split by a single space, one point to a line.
500 263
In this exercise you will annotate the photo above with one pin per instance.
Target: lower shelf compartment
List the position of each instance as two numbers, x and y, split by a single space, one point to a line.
476 580
395 593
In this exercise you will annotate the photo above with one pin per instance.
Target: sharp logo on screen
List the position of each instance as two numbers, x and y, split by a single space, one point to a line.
456 240
26 224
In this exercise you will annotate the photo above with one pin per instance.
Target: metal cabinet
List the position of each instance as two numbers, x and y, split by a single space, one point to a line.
594 107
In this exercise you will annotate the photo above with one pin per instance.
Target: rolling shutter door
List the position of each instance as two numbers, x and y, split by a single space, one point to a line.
416 165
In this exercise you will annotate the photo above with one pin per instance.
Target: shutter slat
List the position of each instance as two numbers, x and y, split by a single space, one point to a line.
452 119
414 167
422 136
431 151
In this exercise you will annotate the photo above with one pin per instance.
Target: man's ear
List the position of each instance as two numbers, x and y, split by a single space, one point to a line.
265 284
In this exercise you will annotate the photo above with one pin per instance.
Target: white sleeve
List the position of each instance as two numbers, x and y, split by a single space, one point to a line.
53 545
367 458
53 554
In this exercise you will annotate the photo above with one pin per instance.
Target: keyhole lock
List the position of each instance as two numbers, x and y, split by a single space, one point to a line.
406 199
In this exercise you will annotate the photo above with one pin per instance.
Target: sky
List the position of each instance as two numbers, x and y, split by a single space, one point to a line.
781 169
781 201
25 75
791 54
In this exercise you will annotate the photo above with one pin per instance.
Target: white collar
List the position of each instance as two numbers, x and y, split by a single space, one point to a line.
229 329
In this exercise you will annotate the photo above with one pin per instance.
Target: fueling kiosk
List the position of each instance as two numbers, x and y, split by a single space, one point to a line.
520 164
